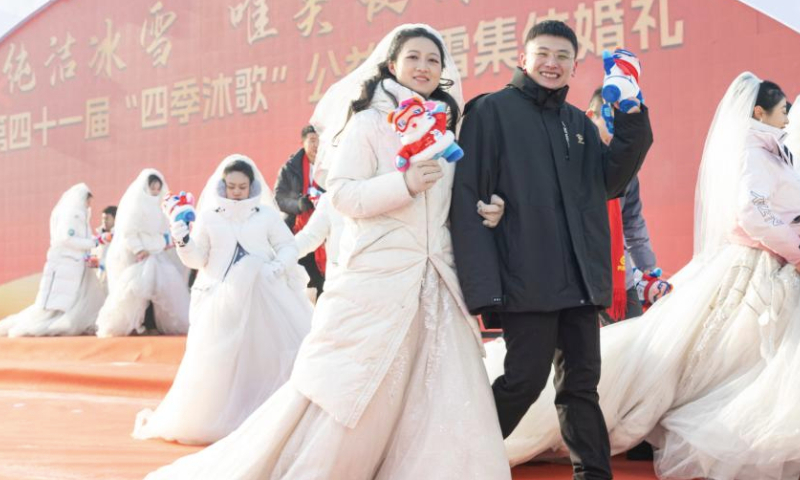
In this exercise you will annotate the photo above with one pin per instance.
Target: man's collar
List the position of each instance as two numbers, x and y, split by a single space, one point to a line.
541 96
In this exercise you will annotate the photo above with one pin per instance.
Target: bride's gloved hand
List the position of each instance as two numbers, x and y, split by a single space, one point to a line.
180 232
274 268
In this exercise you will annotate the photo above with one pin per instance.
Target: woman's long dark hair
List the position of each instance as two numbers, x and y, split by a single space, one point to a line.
368 90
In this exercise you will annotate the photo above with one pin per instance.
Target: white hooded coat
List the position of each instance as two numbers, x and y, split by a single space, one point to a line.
249 314
69 295
160 278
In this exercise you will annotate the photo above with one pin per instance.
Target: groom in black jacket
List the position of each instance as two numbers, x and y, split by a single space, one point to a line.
545 271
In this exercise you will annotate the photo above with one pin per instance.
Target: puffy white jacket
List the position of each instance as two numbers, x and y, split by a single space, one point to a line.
324 226
388 240
70 240
259 230
768 209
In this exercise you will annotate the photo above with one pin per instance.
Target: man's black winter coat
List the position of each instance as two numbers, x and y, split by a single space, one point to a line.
289 187
544 157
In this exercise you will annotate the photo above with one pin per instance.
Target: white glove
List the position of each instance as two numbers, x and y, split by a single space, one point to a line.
421 176
274 268
180 233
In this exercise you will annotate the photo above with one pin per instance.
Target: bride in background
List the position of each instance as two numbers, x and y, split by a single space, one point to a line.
70 295
142 266
249 310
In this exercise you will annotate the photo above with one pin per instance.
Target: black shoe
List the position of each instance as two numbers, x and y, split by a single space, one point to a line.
641 452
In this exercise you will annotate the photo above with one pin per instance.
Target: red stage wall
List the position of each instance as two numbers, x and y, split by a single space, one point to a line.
95 91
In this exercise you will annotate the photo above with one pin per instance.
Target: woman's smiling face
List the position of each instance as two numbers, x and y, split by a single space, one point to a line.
418 66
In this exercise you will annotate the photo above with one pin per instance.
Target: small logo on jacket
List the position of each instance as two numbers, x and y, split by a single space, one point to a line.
580 138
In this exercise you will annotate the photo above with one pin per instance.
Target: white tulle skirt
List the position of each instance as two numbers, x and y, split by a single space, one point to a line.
710 375
80 319
243 338
156 279
433 417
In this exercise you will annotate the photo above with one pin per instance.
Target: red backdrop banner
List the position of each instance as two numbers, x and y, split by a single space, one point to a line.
95 91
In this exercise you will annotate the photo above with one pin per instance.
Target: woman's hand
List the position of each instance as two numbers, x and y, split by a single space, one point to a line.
421 176
142 255
492 213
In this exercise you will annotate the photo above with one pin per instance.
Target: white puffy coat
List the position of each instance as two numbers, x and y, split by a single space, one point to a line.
324 226
768 212
70 240
388 239
259 230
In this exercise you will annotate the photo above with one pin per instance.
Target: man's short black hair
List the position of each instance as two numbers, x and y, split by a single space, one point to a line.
553 28
306 131
111 210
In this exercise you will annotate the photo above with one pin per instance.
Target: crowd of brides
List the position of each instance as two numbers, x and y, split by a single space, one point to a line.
385 376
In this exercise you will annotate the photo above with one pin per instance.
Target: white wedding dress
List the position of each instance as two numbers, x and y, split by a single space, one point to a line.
390 383
249 314
70 295
160 278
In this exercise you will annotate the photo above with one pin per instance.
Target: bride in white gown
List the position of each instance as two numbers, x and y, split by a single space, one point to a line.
709 374
70 295
142 266
249 310
390 383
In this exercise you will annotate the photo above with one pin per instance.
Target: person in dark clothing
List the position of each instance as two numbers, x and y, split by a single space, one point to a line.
545 271
638 250
295 192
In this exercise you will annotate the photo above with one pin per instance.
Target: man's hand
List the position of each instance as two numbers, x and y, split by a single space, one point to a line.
305 204
636 109
421 176
142 255
493 212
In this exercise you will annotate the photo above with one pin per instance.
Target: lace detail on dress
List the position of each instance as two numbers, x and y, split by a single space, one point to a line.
730 296
437 312
397 374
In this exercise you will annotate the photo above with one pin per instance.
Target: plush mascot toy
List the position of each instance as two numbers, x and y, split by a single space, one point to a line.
650 287
422 127
620 83
179 208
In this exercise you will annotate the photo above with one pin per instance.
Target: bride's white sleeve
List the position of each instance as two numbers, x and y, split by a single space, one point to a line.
756 215
356 188
67 234
281 240
313 235
195 253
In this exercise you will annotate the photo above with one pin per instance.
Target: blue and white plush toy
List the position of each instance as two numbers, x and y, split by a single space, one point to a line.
179 208
620 83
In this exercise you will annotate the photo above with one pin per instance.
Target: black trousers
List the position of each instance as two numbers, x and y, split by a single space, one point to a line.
317 280
569 340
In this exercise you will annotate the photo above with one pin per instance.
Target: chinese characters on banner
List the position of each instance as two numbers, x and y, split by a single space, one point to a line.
487 46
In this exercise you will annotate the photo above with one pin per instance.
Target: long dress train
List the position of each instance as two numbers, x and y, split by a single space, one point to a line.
404 433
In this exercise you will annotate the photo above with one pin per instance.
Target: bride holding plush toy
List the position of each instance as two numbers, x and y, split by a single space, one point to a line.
248 311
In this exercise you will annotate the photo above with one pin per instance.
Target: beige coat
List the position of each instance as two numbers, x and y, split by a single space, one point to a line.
388 239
